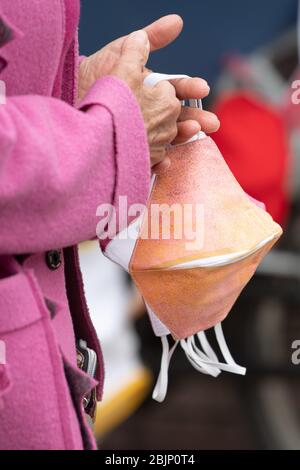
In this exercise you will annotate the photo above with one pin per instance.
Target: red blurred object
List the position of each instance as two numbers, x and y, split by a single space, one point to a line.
253 141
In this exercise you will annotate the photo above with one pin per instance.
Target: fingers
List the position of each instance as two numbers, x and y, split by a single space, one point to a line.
160 33
195 88
207 121
190 88
166 90
158 154
135 50
162 166
186 130
163 31
190 125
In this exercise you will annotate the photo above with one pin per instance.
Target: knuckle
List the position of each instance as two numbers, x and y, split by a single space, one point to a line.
168 135
163 85
176 106
157 155
173 133
131 70
166 89
159 92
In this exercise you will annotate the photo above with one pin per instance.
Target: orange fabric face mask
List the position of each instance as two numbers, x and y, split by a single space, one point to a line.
191 270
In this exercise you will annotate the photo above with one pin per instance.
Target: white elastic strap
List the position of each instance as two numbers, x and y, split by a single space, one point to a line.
153 78
214 364
230 365
197 357
225 351
161 387
194 363
206 346
221 366
207 361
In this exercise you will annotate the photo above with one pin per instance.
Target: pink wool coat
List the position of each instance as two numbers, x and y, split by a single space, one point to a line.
58 162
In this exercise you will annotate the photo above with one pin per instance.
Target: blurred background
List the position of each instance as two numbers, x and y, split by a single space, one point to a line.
248 53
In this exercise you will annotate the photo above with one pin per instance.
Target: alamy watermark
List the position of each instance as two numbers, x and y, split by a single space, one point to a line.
295 96
2 352
160 222
296 352
2 92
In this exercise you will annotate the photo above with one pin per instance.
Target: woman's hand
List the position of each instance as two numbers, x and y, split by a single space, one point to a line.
165 120
160 34
159 104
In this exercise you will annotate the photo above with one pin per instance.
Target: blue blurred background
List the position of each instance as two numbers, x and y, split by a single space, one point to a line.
212 28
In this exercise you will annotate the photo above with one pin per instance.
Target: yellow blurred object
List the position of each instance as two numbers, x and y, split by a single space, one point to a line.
117 407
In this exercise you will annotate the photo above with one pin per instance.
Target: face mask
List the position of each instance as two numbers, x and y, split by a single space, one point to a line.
193 251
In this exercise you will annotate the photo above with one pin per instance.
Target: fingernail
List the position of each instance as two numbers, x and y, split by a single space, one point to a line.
204 83
217 123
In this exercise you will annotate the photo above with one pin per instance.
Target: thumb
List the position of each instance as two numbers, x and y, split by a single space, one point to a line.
136 49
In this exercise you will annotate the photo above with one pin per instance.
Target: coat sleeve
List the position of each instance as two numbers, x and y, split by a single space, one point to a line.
58 164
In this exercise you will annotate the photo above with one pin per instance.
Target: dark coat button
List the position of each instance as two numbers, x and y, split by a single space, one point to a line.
53 259
5 33
51 307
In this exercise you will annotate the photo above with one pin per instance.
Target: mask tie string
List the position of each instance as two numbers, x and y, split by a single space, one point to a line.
236 369
161 387
206 346
197 358
207 361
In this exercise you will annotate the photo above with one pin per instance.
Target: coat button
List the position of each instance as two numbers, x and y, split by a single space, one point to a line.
53 259
5 33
